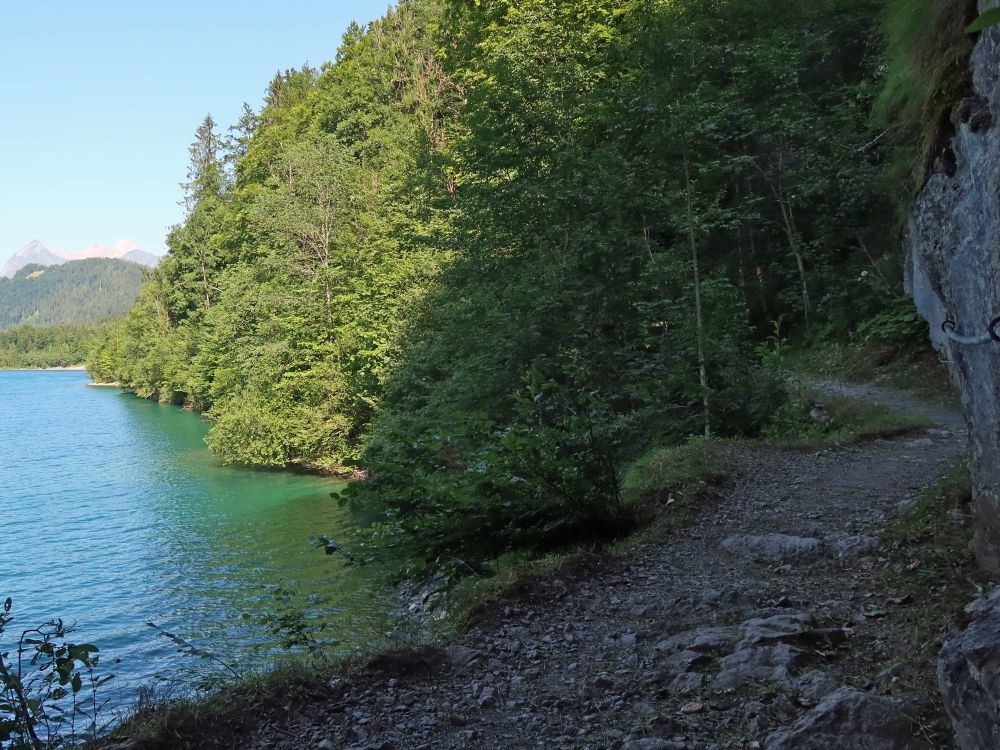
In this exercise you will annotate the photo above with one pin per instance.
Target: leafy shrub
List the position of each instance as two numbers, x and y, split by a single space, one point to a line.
548 476
898 325
48 687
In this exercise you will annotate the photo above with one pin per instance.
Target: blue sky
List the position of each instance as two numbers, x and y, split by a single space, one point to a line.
100 100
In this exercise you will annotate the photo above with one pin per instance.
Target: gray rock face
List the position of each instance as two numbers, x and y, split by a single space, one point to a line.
969 676
773 547
850 719
953 274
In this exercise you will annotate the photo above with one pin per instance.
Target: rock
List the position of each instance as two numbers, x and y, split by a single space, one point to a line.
850 719
813 687
760 664
709 639
461 656
774 629
682 661
968 675
487 698
686 682
326 745
853 547
694 707
773 547
653 743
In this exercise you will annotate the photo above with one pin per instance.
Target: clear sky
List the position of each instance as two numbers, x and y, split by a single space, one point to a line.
100 100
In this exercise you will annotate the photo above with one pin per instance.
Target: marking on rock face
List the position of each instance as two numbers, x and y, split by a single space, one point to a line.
992 333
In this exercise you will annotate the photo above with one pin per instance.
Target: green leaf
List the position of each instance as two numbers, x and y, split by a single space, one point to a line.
984 21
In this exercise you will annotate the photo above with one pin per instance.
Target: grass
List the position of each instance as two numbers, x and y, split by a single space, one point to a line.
930 577
932 564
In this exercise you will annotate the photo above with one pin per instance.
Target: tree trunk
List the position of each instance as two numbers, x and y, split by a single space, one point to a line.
699 313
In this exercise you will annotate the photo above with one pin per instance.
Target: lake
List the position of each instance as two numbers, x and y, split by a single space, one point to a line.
114 513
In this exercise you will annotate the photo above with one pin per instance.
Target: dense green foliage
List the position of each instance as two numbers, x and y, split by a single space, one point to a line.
495 250
77 292
52 346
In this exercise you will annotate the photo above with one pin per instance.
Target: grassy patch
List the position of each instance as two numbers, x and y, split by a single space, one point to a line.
931 576
685 471
812 419
931 547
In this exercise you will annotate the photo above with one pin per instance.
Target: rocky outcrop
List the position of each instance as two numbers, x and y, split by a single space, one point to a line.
953 244
969 676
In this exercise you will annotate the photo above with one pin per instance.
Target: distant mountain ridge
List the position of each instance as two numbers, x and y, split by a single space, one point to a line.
37 253
70 292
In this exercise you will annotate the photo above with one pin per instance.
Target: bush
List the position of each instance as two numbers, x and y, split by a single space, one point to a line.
547 477
48 685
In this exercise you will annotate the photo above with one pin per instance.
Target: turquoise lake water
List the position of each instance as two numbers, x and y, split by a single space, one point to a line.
114 513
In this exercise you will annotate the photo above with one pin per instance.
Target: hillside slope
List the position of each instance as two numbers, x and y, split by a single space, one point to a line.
81 291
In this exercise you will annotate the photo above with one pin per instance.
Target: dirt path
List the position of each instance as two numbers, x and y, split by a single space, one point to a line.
609 660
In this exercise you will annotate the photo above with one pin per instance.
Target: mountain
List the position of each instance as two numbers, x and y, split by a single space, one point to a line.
142 258
34 252
37 253
72 292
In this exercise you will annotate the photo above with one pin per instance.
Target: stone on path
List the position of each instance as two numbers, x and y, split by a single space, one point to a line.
706 639
850 719
772 663
773 547
775 629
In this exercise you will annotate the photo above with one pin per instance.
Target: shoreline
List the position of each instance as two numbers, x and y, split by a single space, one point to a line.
73 368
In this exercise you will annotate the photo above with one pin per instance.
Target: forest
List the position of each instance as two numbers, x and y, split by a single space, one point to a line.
29 347
495 252
74 293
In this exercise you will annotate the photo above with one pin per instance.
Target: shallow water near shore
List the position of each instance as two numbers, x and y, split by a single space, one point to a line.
113 513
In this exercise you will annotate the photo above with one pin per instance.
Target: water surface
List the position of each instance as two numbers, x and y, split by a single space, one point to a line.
114 513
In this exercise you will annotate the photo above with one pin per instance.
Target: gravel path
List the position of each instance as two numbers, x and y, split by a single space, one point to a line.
717 637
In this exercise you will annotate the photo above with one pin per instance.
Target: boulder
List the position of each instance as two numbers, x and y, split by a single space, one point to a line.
850 719
969 676
773 547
